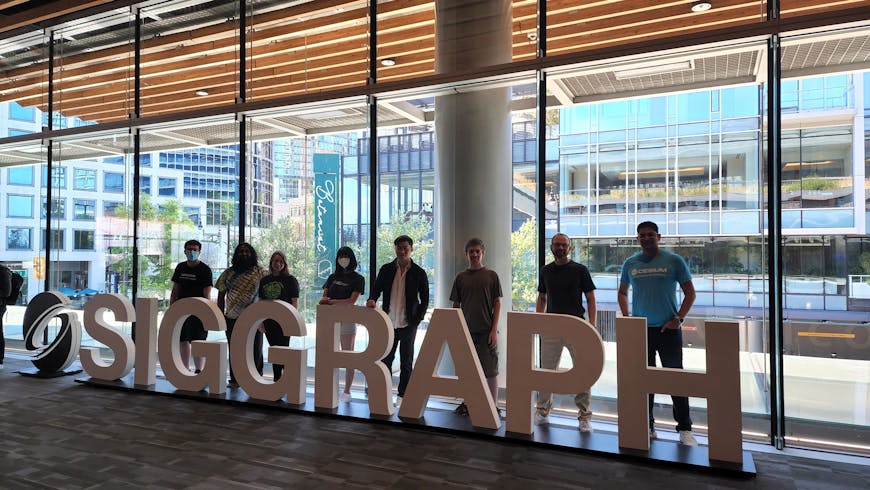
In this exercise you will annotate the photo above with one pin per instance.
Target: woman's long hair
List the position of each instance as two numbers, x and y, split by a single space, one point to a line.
283 271
240 264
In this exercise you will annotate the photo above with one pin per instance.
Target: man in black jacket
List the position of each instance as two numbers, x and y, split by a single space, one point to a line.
406 299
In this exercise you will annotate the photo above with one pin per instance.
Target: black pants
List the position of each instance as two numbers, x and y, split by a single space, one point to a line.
258 348
276 338
405 337
669 345
2 336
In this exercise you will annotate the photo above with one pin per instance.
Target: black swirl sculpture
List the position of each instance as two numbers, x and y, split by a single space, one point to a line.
62 350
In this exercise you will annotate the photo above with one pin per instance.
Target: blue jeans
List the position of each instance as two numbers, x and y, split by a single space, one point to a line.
669 345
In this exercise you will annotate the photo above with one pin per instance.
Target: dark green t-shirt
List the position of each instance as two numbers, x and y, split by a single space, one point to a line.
476 292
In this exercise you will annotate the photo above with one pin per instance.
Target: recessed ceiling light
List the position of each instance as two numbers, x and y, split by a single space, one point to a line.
202 92
701 6
388 61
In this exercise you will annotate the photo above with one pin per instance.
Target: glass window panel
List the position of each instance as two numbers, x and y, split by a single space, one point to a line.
84 209
19 206
198 41
19 238
84 179
167 187
20 176
58 208
307 48
113 182
93 76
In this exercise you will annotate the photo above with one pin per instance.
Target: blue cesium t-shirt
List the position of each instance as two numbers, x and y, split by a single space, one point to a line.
653 282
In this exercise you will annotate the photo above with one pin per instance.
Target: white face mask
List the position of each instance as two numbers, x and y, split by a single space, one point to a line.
344 262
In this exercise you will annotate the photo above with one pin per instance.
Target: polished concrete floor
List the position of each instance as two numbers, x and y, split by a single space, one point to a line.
60 434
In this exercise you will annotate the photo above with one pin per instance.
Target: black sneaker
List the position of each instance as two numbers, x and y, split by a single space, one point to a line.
462 409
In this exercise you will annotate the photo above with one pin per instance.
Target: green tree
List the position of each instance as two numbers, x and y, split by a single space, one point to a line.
155 271
418 226
524 266
293 236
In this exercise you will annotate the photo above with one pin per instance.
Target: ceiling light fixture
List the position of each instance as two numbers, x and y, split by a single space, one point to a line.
202 92
388 62
701 6
641 71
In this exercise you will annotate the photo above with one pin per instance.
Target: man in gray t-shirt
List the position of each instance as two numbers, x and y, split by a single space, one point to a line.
477 291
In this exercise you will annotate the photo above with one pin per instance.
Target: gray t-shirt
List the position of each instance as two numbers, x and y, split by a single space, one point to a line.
476 292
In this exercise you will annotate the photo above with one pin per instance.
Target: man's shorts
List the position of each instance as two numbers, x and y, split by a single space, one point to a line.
193 330
488 355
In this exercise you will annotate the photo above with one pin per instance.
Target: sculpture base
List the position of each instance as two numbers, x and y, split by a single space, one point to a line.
552 436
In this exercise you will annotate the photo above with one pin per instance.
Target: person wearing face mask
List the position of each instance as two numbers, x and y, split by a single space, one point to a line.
237 289
192 279
343 287
278 284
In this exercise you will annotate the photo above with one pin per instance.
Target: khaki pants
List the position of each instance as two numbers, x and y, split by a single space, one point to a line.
551 352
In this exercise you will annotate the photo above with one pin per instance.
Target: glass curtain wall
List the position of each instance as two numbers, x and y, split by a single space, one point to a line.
286 38
188 189
826 355
89 250
190 55
295 172
87 253
20 169
688 159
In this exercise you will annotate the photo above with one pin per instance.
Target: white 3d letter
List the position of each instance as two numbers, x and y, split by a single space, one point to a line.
523 377
294 360
146 342
448 331
720 385
120 343
214 375
329 358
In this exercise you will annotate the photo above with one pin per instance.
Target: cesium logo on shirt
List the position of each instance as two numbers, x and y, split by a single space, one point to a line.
649 271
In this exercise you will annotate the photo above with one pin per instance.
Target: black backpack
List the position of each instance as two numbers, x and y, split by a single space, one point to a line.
17 281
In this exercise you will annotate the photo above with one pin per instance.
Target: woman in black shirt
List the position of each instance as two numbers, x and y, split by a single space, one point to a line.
344 287
278 284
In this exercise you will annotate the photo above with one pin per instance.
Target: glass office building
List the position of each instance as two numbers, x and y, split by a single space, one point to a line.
741 130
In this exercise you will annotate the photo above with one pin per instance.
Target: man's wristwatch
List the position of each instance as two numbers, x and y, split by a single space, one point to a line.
679 319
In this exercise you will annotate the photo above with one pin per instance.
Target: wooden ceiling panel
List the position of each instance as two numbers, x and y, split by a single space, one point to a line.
322 45
791 8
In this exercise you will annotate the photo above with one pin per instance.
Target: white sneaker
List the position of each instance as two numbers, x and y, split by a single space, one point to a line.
652 434
541 419
1 365
585 426
398 401
344 397
687 439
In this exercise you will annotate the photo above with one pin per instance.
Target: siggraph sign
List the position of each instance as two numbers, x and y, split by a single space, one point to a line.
447 333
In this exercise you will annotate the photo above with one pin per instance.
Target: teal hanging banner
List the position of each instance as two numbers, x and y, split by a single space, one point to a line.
326 208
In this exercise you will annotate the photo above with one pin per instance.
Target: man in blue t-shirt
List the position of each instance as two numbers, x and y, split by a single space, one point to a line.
653 274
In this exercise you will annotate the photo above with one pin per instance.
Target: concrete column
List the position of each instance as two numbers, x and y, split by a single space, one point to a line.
473 174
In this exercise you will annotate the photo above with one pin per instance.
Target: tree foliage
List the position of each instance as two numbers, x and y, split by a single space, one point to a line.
295 237
155 271
524 266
